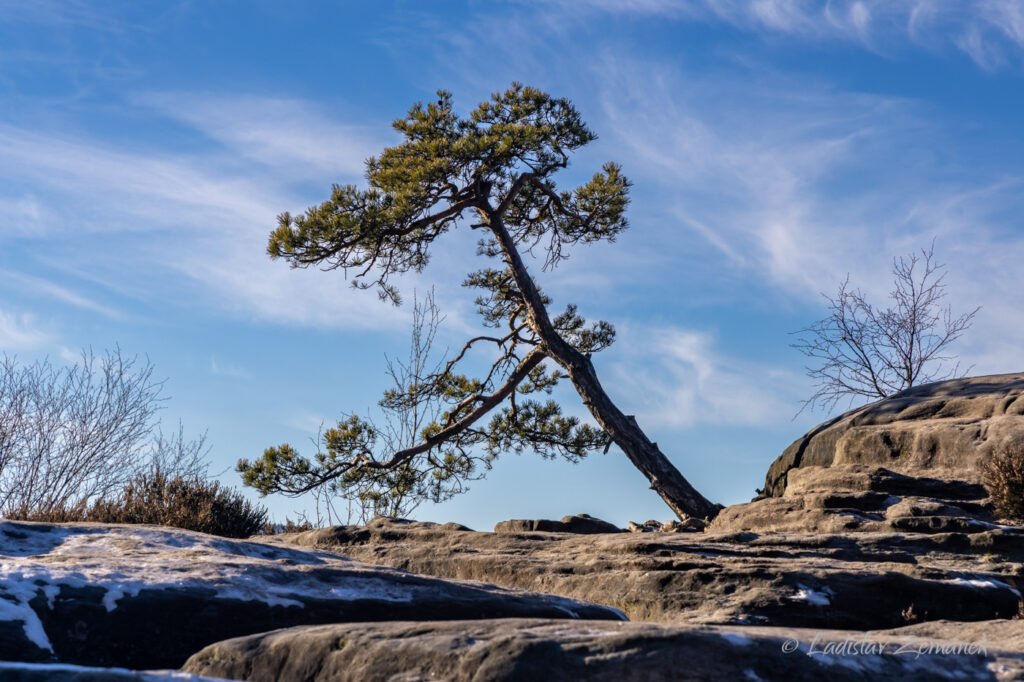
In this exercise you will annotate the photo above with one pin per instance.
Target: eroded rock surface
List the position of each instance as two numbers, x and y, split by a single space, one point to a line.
505 650
856 581
940 430
853 497
148 597
579 523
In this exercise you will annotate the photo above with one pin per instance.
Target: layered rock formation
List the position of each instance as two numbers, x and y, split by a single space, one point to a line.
844 498
579 523
831 580
505 650
148 597
874 554
940 430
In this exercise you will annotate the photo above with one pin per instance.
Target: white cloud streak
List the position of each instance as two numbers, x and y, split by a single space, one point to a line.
146 217
793 188
21 331
990 32
40 286
682 381
227 369
286 134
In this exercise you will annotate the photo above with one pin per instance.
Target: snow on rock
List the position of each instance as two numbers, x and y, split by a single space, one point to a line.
984 584
61 672
146 596
814 597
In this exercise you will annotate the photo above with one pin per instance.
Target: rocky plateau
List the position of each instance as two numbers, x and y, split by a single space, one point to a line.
873 553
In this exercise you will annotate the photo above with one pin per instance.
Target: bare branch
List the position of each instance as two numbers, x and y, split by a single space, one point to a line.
860 350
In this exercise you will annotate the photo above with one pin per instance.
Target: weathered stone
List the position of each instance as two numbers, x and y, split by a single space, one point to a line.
580 523
148 597
939 430
649 526
855 497
839 580
505 650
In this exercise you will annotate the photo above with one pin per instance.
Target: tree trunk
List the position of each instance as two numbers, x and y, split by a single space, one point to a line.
664 478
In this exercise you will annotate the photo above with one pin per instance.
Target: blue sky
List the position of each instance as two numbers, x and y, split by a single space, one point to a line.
775 147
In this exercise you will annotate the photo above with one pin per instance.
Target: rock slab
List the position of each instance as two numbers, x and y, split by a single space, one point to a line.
578 523
939 430
829 580
530 650
147 597
844 498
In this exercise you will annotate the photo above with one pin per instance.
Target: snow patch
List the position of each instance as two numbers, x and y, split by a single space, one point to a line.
16 591
983 583
813 597
113 673
39 560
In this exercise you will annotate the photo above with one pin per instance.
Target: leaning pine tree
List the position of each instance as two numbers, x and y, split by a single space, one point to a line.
492 170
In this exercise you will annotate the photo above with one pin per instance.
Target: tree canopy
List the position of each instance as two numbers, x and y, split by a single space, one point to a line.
493 169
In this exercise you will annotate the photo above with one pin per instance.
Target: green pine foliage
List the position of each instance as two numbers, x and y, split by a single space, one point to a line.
496 163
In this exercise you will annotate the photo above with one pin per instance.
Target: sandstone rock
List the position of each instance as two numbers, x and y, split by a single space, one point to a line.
148 597
504 650
840 580
940 430
384 522
687 525
853 497
649 526
580 523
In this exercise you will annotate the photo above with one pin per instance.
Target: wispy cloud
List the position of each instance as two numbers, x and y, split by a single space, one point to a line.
200 189
788 187
25 216
751 171
682 381
21 331
40 286
205 215
990 32
227 369
287 134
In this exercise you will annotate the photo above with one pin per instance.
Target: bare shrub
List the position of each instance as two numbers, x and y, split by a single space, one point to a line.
190 503
177 456
1004 478
72 434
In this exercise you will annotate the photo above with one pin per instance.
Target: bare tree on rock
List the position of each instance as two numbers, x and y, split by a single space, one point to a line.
493 170
861 350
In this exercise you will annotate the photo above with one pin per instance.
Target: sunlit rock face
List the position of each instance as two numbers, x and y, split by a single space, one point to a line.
517 649
798 579
941 430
